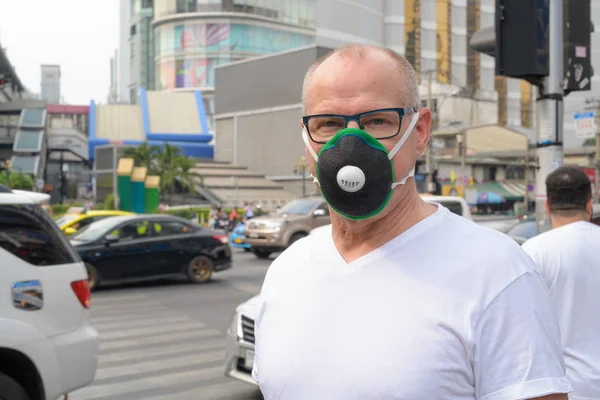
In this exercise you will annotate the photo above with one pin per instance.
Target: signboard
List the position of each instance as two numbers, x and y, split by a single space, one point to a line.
585 124
39 184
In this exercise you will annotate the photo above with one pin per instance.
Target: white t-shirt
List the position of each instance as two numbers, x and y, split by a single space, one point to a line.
446 310
569 260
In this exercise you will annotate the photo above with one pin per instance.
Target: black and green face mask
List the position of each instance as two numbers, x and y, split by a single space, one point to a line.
355 172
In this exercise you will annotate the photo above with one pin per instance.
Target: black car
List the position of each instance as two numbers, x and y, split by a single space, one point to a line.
144 247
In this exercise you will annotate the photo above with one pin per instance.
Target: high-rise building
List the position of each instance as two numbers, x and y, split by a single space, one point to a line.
177 44
124 57
50 84
113 91
141 47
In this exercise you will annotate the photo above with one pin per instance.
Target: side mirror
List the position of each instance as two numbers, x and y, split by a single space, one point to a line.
319 213
108 239
70 230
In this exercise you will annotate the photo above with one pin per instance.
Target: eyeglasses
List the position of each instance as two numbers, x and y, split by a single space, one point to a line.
384 123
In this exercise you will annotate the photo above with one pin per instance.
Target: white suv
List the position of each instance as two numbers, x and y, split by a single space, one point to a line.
47 346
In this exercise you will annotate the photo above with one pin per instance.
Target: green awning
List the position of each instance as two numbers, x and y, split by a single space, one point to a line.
510 191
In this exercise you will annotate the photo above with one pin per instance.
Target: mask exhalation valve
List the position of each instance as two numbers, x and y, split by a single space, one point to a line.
351 179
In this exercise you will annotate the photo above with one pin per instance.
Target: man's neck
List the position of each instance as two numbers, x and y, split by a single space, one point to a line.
354 240
558 222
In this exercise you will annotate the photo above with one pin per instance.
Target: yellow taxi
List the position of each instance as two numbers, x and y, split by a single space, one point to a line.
72 222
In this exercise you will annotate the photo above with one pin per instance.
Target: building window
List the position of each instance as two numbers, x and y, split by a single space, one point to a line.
489 173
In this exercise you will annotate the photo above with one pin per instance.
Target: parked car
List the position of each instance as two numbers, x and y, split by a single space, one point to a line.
277 231
146 247
455 204
237 238
240 341
47 346
71 223
527 227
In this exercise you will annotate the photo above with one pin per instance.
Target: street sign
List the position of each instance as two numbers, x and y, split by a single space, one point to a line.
585 124
39 184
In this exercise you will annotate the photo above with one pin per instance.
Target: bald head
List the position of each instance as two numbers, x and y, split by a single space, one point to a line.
372 60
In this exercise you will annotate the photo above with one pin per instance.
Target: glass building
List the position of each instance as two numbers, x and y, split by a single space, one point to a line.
193 37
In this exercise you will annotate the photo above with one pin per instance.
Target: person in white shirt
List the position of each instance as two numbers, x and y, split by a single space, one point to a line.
568 258
402 299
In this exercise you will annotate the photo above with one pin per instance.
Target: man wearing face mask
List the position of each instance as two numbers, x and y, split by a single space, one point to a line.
568 257
403 300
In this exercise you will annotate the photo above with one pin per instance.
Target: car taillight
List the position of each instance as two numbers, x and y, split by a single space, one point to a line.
82 291
222 238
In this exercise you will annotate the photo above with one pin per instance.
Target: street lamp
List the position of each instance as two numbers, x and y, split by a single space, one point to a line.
302 167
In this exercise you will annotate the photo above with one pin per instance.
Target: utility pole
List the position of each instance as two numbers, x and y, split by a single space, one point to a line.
428 181
597 157
526 180
301 168
549 110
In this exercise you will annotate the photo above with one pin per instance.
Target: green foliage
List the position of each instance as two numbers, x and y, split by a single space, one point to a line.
169 163
21 181
59 209
4 178
109 202
589 142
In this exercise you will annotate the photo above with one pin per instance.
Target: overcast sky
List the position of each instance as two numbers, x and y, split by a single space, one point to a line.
79 35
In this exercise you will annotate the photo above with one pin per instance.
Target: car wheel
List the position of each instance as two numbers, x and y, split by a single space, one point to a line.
200 269
262 254
11 390
92 276
295 237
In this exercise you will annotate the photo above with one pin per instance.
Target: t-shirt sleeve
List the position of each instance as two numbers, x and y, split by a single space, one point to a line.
517 352
539 256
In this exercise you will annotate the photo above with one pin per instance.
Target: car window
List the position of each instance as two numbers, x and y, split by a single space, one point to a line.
66 219
454 206
132 230
298 207
324 207
28 232
87 221
165 228
526 229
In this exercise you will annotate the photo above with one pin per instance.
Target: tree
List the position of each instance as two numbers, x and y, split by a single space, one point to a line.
21 181
144 155
589 142
169 163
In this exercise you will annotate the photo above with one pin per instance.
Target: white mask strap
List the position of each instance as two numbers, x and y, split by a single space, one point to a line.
403 181
404 137
308 146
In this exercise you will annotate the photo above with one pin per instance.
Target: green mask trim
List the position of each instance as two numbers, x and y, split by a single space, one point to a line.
369 140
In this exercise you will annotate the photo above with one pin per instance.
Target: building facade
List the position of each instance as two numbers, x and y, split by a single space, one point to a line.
124 56
50 83
194 37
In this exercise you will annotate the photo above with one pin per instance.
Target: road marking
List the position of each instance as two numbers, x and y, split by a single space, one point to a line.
148 330
161 351
248 288
112 298
153 366
158 339
153 382
126 324
146 308
211 392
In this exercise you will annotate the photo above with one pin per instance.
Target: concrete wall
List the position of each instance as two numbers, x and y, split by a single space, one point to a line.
268 142
263 82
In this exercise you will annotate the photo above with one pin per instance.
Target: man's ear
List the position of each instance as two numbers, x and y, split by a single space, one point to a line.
423 129
547 207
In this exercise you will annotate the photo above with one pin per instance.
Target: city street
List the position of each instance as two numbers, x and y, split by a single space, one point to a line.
165 340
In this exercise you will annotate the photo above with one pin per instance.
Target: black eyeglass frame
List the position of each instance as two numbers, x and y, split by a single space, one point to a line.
402 112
